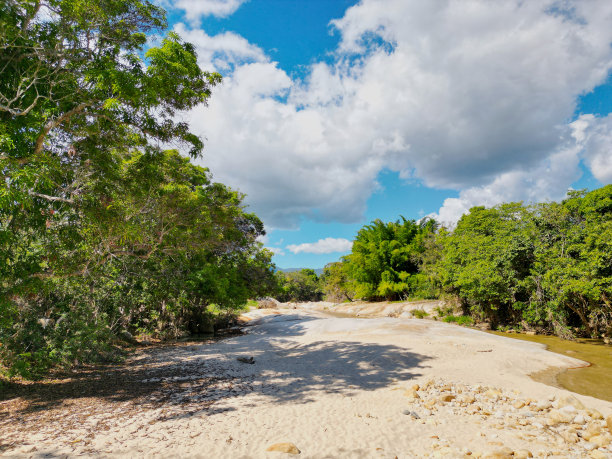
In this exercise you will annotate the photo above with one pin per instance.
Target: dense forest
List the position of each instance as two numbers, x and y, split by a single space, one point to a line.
105 233
546 266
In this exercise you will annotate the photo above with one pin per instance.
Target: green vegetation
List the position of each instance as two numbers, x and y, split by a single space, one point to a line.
546 267
300 285
385 260
419 313
459 320
103 234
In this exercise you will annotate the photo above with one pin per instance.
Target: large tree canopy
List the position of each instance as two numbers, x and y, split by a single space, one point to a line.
102 231
385 259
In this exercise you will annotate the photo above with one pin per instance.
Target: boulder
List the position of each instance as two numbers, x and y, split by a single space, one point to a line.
268 303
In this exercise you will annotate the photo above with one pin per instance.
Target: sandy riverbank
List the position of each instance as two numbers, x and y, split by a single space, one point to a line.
334 387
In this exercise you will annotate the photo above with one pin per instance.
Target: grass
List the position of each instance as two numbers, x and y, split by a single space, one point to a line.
419 313
459 320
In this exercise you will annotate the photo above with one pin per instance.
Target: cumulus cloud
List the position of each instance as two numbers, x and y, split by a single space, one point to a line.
588 138
464 94
223 51
596 136
276 250
327 245
196 9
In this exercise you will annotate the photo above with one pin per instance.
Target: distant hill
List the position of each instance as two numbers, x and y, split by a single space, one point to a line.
319 271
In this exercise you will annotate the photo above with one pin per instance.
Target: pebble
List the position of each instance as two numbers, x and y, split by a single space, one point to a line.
502 453
600 440
288 448
579 419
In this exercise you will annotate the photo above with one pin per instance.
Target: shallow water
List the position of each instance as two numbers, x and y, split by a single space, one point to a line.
594 380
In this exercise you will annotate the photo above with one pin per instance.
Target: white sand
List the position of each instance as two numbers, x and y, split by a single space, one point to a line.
330 386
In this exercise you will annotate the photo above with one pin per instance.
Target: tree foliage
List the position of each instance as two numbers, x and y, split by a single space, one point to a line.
548 265
385 259
102 232
302 285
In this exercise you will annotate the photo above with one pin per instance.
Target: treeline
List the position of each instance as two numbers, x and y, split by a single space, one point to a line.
547 266
104 234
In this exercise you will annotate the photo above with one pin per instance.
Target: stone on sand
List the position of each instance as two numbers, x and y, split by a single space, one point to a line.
288 448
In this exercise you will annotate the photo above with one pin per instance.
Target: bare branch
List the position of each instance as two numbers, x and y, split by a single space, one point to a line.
50 198
55 123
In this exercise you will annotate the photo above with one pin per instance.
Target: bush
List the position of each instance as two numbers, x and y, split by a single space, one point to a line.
419 313
459 320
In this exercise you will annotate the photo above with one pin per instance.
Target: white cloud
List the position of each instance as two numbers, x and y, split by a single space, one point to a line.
466 94
588 137
276 250
327 245
596 134
221 52
196 9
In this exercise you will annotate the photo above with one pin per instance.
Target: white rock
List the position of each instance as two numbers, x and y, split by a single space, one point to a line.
579 419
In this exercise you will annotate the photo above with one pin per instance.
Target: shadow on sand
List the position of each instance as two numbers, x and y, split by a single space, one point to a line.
196 376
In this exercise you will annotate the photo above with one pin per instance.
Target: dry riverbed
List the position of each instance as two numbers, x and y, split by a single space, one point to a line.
323 386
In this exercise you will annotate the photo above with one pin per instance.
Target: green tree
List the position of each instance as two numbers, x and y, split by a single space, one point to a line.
487 260
336 283
573 272
101 231
385 259
302 285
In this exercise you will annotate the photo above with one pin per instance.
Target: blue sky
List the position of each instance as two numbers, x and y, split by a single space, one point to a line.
334 113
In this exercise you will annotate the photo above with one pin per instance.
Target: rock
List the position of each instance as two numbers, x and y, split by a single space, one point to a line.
570 400
541 406
579 419
493 394
609 422
592 430
468 399
601 440
559 417
502 453
522 454
249 360
518 404
430 404
446 398
415 387
570 437
594 414
411 414
412 394
268 303
589 446
596 454
569 409
288 448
